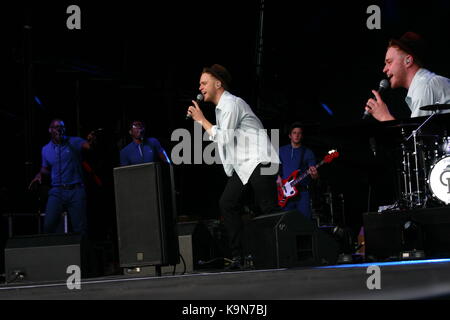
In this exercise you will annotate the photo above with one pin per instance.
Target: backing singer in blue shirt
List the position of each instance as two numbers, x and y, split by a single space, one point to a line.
141 149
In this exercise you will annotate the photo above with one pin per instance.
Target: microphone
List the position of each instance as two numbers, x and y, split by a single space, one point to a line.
384 84
198 99
62 131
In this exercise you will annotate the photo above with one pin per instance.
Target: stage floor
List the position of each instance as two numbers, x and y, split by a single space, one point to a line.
423 279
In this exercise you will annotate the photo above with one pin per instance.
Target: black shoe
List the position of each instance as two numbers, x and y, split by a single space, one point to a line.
248 262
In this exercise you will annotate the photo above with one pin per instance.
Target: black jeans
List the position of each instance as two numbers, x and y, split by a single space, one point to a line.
265 193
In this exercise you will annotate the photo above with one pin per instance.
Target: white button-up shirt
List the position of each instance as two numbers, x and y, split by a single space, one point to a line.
427 88
242 141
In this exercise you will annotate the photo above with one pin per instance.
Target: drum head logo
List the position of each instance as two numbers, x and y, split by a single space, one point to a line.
445 179
439 180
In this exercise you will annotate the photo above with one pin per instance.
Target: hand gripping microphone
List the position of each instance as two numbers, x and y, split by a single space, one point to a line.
384 84
198 99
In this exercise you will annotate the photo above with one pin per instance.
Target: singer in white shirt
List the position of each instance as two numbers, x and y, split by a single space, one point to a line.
245 150
404 69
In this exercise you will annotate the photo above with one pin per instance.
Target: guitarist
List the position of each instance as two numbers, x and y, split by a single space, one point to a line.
296 156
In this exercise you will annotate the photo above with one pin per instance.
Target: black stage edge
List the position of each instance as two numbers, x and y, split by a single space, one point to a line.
426 279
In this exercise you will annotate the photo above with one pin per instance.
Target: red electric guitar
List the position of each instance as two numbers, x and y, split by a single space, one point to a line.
288 190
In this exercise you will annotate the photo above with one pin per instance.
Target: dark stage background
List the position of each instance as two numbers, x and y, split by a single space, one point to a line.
131 60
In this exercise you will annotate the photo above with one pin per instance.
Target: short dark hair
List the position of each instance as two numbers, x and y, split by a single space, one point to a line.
413 44
56 119
134 121
220 73
294 125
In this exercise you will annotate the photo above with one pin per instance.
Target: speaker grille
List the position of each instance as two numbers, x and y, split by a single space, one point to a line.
145 213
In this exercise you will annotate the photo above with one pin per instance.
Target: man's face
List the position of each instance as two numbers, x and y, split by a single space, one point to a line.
57 130
208 87
296 135
137 130
395 67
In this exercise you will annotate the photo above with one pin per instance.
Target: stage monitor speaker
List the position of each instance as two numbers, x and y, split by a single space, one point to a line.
146 215
288 239
42 257
434 224
206 242
383 234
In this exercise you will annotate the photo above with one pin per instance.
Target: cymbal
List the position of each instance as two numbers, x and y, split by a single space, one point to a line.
435 107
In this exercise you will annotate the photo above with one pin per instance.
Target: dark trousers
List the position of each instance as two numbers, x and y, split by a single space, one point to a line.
74 201
265 193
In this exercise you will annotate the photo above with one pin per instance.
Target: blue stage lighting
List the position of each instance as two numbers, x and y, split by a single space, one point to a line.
381 264
327 109
38 101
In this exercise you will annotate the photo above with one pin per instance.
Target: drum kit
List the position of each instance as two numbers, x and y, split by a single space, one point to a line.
424 169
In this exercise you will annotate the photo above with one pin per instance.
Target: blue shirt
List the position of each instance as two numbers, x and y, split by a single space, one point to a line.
64 161
290 161
135 153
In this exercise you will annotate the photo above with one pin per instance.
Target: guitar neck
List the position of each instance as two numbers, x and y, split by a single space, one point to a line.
305 174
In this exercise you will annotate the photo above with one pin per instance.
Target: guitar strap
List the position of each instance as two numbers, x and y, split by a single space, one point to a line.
302 158
301 187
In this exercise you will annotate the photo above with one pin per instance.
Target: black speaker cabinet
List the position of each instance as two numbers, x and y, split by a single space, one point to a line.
42 257
388 234
209 244
146 215
383 234
434 225
288 239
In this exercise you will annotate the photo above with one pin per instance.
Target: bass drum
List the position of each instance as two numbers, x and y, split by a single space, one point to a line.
439 179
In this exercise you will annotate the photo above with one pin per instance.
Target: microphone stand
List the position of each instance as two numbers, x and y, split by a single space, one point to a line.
414 132
414 135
